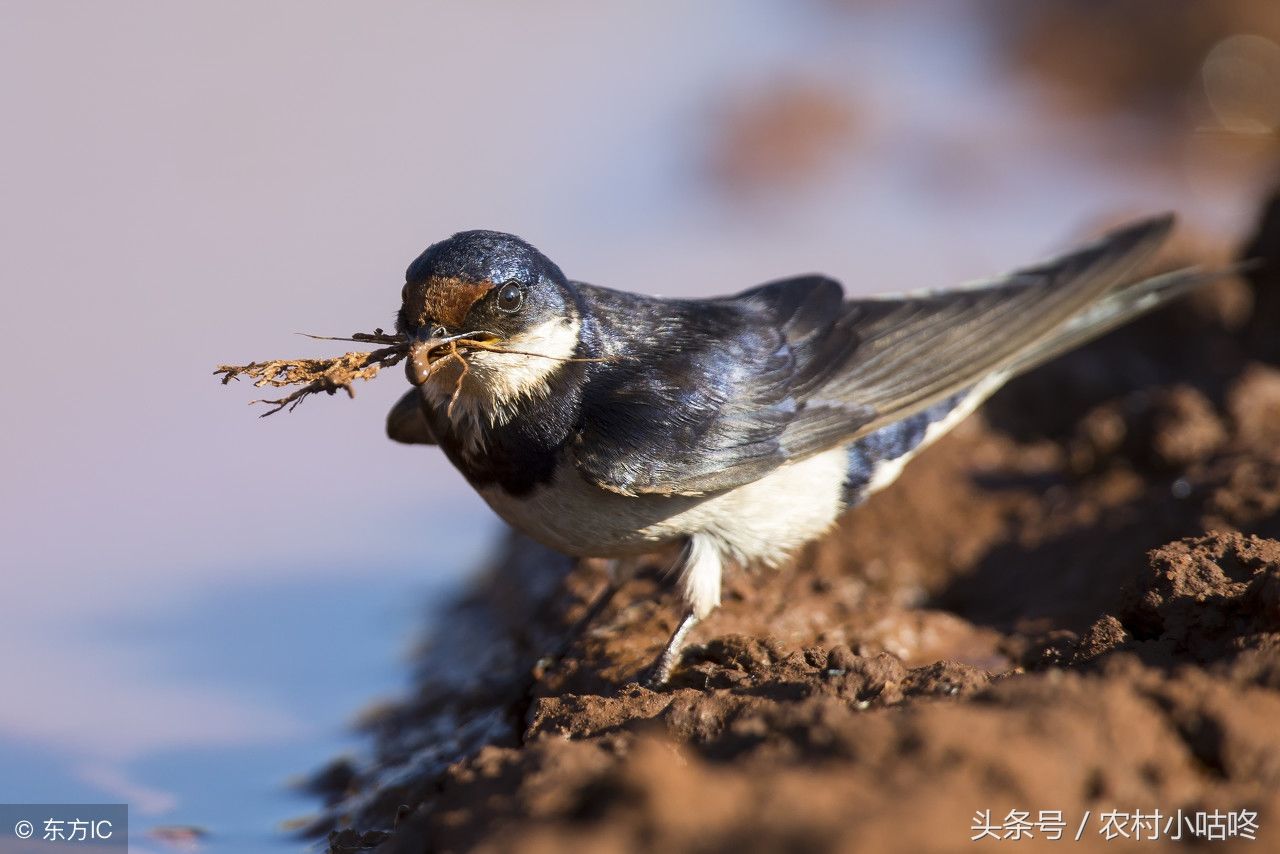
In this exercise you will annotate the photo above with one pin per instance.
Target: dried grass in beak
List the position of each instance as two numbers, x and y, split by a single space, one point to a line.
341 372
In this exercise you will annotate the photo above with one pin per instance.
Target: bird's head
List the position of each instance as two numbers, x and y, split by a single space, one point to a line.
471 297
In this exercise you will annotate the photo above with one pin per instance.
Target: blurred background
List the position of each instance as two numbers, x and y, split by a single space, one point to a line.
194 603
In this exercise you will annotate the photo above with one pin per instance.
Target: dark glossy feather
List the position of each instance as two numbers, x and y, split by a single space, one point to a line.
914 351
700 387
721 392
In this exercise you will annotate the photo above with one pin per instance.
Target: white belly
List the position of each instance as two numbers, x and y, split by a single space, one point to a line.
759 522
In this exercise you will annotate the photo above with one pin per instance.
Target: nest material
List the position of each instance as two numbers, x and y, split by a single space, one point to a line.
320 375
341 372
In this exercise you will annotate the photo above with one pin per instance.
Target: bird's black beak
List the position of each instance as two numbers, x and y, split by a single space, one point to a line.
421 344
424 343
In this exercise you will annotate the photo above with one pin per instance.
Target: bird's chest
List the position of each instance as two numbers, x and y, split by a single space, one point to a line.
516 454
514 460
523 467
570 514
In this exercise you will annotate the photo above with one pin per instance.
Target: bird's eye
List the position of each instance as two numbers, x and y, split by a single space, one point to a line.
510 297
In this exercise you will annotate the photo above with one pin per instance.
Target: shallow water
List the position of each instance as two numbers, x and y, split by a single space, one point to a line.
282 649
195 603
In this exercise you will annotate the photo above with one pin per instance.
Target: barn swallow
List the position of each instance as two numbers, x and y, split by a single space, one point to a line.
741 426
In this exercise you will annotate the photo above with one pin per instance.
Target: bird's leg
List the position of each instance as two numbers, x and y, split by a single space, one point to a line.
700 582
661 671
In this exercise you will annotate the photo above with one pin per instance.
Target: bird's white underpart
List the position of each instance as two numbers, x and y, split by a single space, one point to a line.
757 523
887 471
701 574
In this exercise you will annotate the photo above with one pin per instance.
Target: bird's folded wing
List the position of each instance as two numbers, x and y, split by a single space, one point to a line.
407 423
705 408
803 371
911 352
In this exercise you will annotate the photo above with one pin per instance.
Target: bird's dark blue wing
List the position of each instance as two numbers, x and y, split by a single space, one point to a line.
907 353
703 407
730 389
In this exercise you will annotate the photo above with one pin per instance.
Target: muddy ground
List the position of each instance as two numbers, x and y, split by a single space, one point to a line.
1070 604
